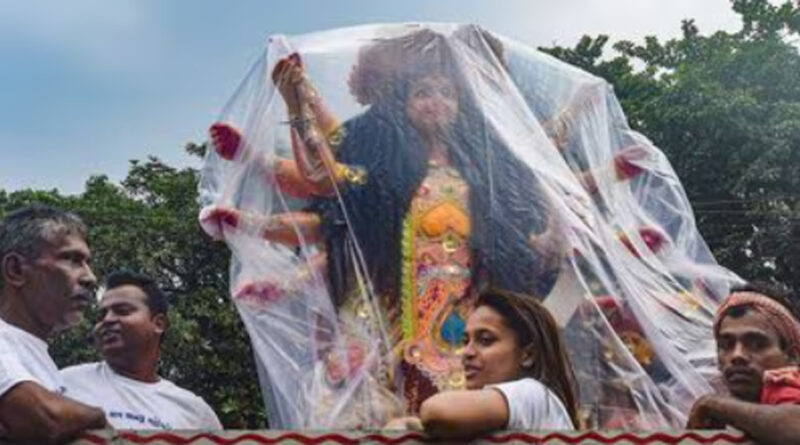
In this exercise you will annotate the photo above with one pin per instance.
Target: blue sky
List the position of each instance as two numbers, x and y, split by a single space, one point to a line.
87 85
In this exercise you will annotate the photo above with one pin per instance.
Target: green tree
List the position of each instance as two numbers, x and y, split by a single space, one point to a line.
725 108
149 224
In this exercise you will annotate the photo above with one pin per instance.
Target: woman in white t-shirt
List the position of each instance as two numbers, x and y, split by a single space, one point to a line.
517 371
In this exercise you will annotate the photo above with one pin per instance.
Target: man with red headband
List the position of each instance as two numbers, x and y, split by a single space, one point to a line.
758 351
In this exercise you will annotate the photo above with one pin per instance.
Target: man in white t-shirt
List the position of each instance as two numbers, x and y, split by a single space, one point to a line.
45 285
130 326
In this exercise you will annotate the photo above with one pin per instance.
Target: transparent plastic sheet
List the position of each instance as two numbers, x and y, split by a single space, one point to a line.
397 170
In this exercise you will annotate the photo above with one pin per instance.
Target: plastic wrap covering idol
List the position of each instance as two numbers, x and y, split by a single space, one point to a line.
370 181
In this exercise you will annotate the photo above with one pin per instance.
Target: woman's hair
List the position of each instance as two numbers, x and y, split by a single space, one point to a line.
506 202
536 328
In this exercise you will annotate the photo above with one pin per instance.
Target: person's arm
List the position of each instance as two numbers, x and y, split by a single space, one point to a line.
290 229
404 423
288 177
767 424
464 413
228 142
32 414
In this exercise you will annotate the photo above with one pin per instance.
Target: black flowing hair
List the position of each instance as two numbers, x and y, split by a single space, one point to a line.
506 202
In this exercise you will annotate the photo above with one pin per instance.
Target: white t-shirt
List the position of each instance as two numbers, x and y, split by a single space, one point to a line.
131 404
24 357
532 406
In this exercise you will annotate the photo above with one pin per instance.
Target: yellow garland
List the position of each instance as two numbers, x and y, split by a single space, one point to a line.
407 285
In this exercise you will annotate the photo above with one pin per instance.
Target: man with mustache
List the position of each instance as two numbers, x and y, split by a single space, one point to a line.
758 351
130 326
45 285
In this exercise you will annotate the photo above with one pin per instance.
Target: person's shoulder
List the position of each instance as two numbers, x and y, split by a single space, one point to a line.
197 403
526 384
10 335
83 382
5 328
80 372
83 368
532 390
531 386
179 391
555 414
526 390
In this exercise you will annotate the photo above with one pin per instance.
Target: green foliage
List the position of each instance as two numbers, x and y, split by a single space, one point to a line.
149 224
725 108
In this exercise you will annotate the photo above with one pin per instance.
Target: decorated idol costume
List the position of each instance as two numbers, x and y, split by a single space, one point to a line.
364 220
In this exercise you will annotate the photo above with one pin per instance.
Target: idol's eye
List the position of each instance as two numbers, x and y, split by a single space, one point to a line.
447 91
422 93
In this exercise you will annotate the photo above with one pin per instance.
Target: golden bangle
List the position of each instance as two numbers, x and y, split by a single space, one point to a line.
336 136
353 175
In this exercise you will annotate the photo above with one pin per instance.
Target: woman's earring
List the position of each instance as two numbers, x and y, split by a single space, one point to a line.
527 359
